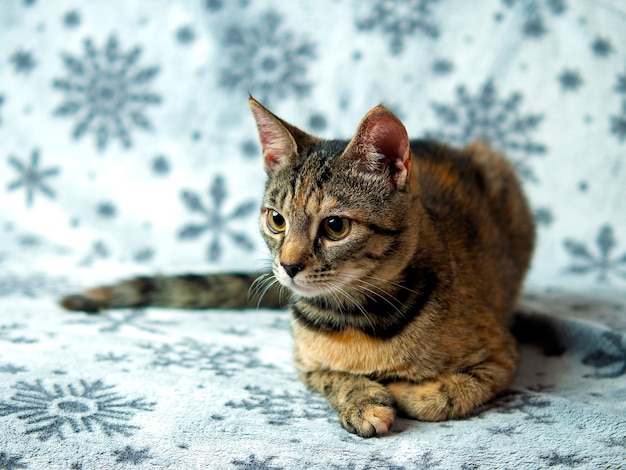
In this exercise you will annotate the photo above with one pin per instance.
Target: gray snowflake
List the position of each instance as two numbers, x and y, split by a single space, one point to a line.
442 67
23 62
604 264
427 462
32 285
527 404
185 35
611 358
602 47
567 460
189 353
618 122
215 6
71 19
499 122
161 165
267 59
107 93
144 255
11 462
114 322
544 216
215 221
99 250
570 80
32 178
283 407
7 334
1 103
12 369
252 463
534 13
49 413
398 19
112 357
130 455
106 210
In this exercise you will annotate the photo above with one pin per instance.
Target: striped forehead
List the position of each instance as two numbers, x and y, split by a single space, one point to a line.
302 186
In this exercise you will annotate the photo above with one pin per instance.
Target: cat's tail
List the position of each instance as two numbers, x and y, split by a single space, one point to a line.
189 291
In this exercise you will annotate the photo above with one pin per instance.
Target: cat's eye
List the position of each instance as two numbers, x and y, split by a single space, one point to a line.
276 222
336 228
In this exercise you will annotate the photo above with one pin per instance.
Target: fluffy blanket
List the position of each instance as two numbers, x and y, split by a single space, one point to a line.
126 148
171 389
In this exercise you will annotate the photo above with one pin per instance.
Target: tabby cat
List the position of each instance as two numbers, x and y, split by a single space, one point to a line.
404 260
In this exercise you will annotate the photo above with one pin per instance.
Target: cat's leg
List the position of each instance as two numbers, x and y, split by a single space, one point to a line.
365 407
454 395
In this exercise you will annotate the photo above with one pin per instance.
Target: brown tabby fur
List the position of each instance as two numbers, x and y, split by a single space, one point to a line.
408 310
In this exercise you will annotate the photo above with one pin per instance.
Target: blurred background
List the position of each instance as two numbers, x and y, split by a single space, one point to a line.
126 144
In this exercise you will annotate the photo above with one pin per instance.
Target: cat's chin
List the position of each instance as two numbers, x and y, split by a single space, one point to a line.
303 290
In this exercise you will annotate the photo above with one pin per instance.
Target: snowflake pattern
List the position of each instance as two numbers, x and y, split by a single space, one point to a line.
528 404
115 322
498 122
281 408
602 47
130 455
604 264
215 6
399 20
609 361
32 178
23 62
12 369
252 462
267 59
534 13
570 80
107 93
71 19
49 413
618 122
225 361
185 35
7 334
325 82
11 462
215 221
567 460
32 285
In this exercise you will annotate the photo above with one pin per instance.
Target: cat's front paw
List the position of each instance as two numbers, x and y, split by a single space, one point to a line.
368 418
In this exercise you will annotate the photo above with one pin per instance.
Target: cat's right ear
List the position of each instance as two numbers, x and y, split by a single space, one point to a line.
280 141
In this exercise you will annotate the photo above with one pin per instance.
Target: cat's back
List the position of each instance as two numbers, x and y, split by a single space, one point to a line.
475 201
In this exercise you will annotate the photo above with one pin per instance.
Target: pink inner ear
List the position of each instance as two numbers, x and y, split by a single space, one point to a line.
384 132
270 143
276 141
390 139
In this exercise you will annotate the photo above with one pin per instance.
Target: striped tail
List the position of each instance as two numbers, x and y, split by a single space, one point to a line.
189 291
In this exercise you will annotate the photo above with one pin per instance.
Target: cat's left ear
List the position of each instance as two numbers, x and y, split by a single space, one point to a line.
381 146
280 141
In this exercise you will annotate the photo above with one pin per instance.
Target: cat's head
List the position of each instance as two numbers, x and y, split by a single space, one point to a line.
335 212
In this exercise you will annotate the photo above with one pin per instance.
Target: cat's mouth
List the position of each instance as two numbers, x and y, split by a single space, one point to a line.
306 286
301 287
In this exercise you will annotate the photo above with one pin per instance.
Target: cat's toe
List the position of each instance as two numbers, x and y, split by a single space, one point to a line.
369 420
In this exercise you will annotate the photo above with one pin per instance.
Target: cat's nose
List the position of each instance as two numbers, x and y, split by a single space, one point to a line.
292 269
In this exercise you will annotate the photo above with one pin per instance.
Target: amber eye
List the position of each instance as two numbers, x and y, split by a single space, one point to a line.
275 222
335 228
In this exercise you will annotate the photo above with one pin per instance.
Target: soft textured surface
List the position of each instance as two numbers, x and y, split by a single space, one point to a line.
126 147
